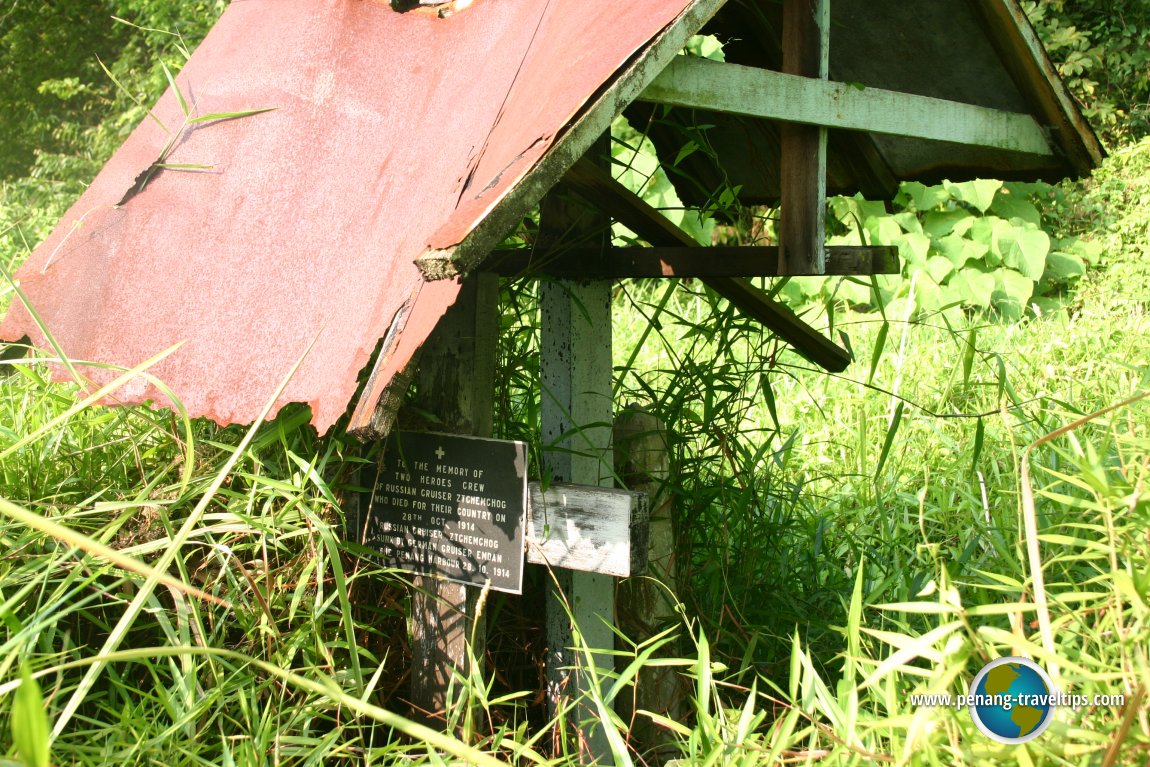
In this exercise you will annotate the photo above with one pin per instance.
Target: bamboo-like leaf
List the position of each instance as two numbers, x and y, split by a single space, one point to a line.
968 355
641 661
889 441
325 688
228 115
876 354
40 323
747 717
130 95
927 608
88 401
976 450
175 89
769 399
916 648
663 721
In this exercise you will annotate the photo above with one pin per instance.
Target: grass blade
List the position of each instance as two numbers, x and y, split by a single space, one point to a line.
228 115
121 628
895 420
30 722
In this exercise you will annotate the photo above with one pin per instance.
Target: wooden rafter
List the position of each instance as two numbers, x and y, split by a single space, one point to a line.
598 188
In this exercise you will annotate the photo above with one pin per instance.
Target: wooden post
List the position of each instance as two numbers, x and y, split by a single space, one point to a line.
455 381
646 605
806 37
576 415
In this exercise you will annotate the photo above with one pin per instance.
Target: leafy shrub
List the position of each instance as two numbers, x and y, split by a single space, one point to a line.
979 244
1102 50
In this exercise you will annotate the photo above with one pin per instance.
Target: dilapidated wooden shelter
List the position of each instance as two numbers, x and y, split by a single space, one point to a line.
326 175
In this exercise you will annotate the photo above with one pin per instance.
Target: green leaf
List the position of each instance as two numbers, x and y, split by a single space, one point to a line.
175 89
913 248
854 292
228 115
939 268
958 249
925 197
688 149
1087 250
30 721
925 292
1065 267
884 230
909 222
1009 205
769 399
975 287
976 451
1012 292
891 431
940 223
971 346
1024 249
849 208
979 193
876 354
988 231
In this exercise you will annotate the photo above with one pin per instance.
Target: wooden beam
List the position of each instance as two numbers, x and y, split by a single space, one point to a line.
598 188
803 148
718 87
680 261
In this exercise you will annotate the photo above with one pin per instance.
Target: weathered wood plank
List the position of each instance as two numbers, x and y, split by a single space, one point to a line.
597 187
803 156
455 379
595 530
680 261
734 89
575 413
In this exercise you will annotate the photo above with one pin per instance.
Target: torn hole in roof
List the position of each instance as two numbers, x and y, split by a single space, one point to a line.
440 8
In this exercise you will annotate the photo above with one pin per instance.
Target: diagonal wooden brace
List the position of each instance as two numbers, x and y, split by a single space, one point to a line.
599 189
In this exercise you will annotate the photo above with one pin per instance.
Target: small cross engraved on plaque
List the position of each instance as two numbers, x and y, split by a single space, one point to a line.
439 453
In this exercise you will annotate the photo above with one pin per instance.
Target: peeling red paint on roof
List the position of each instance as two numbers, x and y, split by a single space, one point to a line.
391 134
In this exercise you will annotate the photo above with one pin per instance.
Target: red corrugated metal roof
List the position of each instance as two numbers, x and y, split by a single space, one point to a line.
392 133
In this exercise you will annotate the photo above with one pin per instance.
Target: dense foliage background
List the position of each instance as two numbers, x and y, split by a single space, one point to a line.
844 540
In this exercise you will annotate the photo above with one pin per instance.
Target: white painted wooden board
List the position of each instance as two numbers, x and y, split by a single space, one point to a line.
590 529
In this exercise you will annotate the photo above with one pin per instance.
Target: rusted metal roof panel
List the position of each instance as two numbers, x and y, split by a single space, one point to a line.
390 134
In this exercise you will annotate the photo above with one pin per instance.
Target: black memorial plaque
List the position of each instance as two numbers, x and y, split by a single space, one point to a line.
452 506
